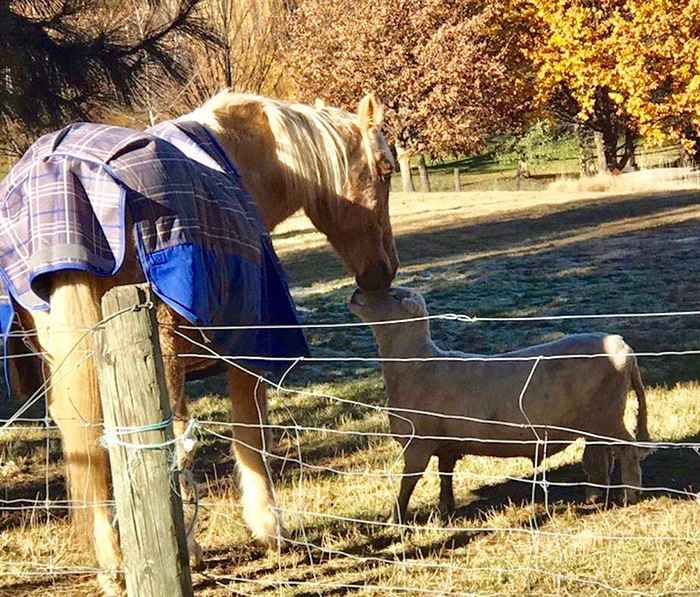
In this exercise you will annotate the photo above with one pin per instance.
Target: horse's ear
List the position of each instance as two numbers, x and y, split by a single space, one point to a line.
319 103
370 111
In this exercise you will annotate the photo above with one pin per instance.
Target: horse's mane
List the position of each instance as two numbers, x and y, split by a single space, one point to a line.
311 142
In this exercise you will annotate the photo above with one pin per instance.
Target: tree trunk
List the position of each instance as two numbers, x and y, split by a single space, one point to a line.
404 158
628 155
600 152
423 172
691 157
608 129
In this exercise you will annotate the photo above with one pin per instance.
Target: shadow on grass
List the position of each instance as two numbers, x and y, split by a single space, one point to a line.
670 470
34 490
546 260
512 232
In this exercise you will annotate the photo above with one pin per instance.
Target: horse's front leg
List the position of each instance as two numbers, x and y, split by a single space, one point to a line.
249 413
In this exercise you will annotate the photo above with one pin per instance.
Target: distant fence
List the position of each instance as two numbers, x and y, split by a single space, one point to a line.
645 158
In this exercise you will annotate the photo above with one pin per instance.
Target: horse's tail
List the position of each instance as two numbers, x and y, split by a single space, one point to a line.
25 372
638 387
74 399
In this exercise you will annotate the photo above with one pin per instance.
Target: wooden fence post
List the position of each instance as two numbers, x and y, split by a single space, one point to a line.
458 184
135 398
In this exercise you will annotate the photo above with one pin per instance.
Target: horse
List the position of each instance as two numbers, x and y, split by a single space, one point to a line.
333 164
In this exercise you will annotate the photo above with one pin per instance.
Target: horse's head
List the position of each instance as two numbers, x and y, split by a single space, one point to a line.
335 164
355 216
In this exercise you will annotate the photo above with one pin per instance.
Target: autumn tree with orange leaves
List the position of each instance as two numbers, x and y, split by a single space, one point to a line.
658 44
622 68
450 72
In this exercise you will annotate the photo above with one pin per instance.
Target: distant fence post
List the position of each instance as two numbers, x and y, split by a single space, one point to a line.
423 174
458 183
138 432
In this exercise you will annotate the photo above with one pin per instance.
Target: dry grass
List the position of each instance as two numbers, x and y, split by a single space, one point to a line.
485 253
643 181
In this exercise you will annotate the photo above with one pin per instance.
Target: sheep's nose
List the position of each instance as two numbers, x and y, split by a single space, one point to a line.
356 298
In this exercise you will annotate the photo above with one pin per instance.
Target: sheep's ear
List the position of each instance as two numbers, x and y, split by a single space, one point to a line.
414 306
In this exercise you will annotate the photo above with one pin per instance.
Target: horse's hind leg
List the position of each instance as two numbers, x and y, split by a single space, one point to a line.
249 409
174 369
74 404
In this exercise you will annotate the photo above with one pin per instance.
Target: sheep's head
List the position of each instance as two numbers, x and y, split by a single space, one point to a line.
396 303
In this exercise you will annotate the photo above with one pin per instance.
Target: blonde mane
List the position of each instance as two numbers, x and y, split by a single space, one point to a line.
311 142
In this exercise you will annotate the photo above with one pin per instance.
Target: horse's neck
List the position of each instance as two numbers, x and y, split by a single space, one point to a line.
251 148
262 179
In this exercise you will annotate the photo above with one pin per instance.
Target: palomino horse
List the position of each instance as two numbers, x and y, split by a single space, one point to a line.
332 164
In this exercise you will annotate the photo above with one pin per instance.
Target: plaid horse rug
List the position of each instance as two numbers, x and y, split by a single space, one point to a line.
200 239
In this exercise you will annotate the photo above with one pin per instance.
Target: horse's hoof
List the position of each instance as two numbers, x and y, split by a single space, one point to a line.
196 555
396 519
111 584
274 537
275 544
631 497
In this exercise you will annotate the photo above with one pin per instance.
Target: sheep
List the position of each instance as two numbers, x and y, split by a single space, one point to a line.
584 394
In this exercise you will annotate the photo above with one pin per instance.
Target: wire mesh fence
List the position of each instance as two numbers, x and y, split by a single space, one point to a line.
350 544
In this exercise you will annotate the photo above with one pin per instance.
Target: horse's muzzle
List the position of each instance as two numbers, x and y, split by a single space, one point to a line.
377 277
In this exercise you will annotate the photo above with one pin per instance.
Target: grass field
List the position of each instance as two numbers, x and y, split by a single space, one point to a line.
485 172
483 253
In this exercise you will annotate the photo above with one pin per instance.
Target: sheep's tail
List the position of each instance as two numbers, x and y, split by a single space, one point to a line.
638 387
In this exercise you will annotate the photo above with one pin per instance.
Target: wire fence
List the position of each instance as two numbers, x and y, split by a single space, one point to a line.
323 557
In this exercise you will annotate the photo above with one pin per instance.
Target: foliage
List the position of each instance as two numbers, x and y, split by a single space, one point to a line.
451 73
658 48
247 58
62 59
622 67
540 143
575 65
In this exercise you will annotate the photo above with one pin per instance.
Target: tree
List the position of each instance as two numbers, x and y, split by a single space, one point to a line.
247 58
450 72
60 60
622 68
658 69
576 63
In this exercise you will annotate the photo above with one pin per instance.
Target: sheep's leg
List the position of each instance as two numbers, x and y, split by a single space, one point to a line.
446 466
630 471
415 458
596 464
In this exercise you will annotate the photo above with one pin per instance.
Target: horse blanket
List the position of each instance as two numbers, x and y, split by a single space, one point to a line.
199 237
